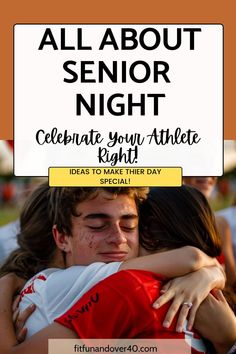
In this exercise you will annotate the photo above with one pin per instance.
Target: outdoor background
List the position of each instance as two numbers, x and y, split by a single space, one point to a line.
13 190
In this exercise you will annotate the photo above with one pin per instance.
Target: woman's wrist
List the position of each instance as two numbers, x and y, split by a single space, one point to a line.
215 276
200 259
220 279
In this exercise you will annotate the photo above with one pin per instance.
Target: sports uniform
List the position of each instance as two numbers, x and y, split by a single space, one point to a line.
54 291
121 307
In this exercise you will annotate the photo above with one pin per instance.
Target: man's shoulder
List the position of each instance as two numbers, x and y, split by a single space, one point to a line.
78 279
39 278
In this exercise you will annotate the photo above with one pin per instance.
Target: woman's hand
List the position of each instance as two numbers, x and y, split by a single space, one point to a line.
187 293
20 317
10 284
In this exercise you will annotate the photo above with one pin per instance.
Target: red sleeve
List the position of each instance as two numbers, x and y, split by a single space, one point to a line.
120 306
102 312
117 307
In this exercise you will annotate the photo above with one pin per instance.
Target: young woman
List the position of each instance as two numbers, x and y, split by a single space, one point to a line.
188 216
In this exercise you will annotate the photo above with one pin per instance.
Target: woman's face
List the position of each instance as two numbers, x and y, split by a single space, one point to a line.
203 184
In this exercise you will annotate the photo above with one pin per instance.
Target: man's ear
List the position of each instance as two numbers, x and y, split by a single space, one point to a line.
61 239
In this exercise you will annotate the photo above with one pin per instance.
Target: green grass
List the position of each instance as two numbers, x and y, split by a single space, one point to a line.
8 214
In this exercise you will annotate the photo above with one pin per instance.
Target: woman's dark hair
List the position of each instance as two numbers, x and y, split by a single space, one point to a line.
36 243
174 217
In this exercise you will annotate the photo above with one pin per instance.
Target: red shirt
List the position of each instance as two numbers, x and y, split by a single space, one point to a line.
120 306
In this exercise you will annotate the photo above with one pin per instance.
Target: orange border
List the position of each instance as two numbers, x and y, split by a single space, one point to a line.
107 11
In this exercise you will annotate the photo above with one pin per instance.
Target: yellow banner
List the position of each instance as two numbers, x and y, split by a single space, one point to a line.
115 176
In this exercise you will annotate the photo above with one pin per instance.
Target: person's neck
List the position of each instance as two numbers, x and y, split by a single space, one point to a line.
58 260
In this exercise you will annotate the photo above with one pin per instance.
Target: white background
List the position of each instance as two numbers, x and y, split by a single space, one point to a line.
194 98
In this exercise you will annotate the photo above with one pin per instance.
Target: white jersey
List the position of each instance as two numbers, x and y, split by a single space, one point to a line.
54 291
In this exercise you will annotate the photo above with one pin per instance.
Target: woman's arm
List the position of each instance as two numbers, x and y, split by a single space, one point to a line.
209 316
38 343
216 322
8 287
192 288
172 263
